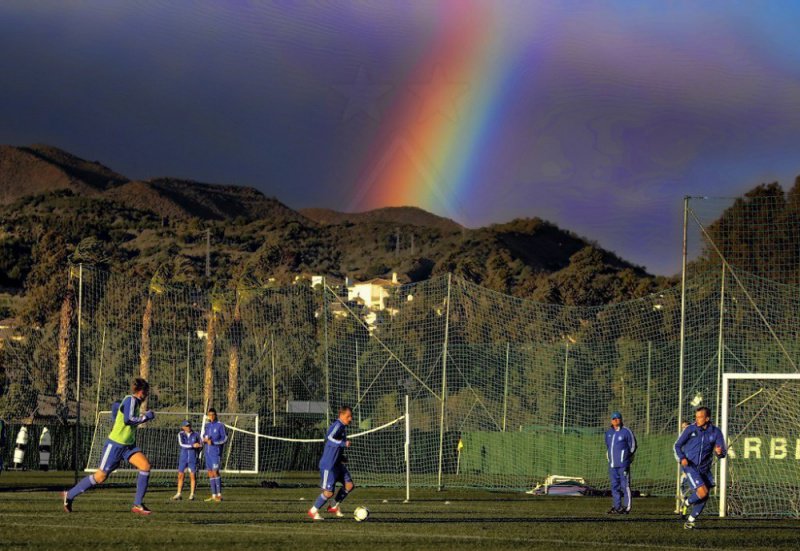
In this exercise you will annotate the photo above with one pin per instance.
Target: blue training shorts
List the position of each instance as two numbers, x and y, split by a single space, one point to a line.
113 453
213 458
329 477
697 478
187 460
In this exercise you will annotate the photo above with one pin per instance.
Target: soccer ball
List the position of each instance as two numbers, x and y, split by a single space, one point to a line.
361 514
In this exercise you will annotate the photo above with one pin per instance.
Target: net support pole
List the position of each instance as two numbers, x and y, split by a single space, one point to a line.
444 382
76 452
564 397
230 442
720 355
256 445
274 384
358 385
505 388
720 340
723 463
649 385
327 365
682 346
408 453
188 367
99 378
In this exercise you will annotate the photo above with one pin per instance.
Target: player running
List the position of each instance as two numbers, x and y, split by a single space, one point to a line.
214 437
190 444
695 450
332 468
620 447
121 444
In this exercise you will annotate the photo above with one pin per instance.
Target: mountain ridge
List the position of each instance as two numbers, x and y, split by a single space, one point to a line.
59 206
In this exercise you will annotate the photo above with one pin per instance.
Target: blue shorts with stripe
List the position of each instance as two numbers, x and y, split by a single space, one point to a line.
329 477
213 456
113 454
697 478
187 460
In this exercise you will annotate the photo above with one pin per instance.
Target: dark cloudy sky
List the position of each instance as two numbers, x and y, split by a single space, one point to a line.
599 116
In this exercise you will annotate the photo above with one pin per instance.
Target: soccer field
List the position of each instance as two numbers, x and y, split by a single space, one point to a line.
254 518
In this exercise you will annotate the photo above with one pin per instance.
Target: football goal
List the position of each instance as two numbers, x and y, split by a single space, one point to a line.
760 418
158 440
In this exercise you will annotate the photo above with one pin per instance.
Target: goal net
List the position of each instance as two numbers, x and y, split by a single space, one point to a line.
376 457
158 440
761 421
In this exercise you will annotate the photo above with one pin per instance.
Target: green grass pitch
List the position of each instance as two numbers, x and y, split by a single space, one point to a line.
255 518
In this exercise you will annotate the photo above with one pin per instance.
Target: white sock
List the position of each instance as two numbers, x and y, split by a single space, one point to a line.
314 510
691 518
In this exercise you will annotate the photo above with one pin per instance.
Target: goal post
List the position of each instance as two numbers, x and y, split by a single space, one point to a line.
755 413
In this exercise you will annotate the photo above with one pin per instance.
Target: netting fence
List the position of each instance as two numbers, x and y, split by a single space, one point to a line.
502 391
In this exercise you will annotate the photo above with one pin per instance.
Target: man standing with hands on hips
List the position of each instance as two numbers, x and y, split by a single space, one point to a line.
620 447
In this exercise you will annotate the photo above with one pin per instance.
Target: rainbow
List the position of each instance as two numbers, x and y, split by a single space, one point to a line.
429 147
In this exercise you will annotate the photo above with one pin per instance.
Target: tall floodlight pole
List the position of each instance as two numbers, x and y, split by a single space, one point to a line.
327 364
444 381
649 383
188 367
720 341
76 451
720 354
564 397
682 349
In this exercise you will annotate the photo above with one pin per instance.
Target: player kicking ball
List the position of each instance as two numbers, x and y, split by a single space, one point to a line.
121 444
332 468
214 437
695 450
190 444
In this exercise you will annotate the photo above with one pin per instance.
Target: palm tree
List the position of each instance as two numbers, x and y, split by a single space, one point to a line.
64 331
245 291
233 357
156 287
217 303
89 250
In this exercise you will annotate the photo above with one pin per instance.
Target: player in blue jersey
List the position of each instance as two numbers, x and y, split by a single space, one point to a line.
214 437
695 450
620 447
121 444
332 466
190 444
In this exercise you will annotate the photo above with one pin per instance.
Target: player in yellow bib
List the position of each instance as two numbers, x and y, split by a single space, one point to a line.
121 444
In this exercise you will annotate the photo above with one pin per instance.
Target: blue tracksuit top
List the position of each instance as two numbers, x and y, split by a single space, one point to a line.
697 445
186 441
335 442
216 432
620 446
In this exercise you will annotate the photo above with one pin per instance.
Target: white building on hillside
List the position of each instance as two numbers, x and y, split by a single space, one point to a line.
373 293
